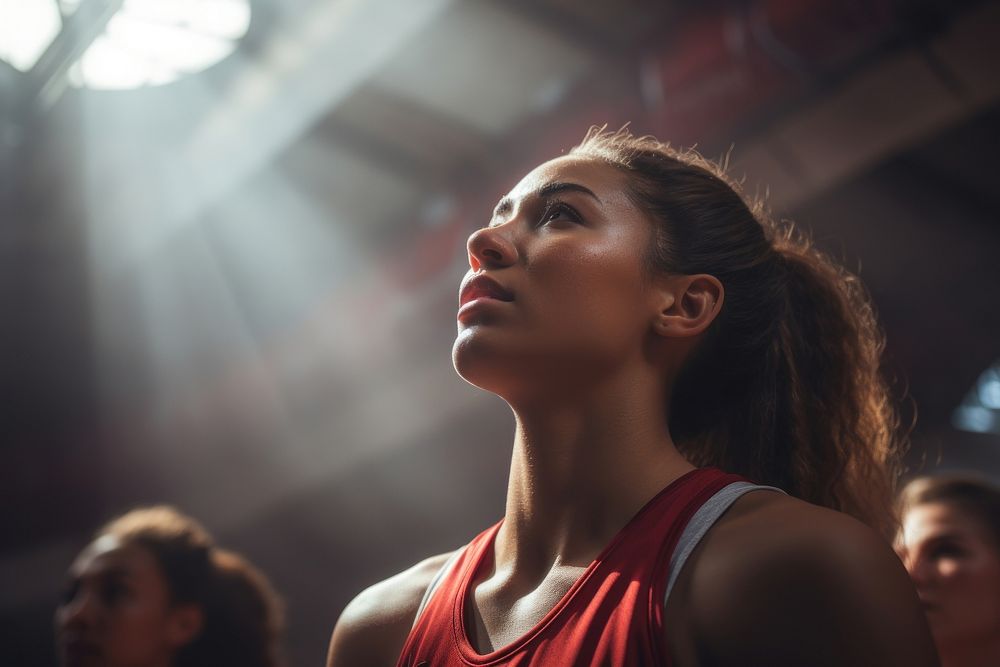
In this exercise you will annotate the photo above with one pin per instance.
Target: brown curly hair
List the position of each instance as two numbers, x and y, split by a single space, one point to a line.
786 387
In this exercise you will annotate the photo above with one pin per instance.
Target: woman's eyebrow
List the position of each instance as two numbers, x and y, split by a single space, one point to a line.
556 187
949 536
505 204
114 570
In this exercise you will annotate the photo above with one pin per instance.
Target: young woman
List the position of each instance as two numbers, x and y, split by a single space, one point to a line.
648 328
950 544
152 590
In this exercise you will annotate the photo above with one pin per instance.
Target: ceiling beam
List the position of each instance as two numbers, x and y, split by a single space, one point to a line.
47 81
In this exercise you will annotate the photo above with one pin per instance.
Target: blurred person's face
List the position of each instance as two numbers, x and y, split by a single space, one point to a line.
570 295
116 610
956 569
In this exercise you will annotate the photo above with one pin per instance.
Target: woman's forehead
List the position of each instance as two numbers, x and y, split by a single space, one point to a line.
108 553
931 520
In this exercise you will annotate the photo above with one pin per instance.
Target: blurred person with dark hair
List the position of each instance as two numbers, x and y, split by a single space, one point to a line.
671 355
153 590
949 542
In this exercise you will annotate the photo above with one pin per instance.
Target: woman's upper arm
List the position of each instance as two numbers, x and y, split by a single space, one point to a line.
806 586
374 626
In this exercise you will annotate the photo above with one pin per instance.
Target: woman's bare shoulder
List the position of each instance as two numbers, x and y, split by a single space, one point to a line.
373 627
781 582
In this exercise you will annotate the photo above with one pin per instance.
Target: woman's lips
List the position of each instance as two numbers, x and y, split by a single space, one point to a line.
929 605
80 652
481 291
483 287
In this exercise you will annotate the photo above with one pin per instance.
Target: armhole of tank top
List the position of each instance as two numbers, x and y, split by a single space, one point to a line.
435 582
701 521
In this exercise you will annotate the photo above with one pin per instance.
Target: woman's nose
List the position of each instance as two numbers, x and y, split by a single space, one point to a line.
76 613
489 248
921 571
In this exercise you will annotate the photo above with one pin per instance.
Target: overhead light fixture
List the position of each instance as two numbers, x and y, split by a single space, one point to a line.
27 27
980 411
145 43
153 42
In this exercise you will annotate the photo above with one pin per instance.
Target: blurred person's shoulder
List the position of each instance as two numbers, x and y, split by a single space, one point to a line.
374 626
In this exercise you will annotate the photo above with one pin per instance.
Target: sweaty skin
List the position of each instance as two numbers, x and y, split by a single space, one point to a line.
584 346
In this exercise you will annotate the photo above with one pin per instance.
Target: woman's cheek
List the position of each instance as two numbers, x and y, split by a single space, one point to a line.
950 569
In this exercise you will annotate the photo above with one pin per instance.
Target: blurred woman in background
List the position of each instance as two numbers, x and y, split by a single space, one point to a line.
950 544
153 590
666 350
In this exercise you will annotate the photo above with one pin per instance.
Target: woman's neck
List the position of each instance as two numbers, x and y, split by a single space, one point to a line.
580 471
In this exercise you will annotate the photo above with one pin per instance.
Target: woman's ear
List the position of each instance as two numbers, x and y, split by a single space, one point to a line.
689 304
185 624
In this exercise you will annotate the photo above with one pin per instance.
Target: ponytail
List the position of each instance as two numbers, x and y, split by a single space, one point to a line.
786 386
243 618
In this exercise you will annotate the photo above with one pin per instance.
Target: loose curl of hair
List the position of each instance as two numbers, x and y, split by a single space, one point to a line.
786 387
243 615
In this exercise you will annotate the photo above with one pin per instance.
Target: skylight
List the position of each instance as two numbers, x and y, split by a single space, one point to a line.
27 27
153 42
145 43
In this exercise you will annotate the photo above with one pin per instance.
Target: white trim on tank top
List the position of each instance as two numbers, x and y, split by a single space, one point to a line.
699 524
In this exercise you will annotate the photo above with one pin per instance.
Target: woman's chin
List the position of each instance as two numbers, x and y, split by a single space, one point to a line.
471 349
482 364
476 372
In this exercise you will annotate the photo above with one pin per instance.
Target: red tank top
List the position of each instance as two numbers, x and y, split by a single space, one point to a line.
612 615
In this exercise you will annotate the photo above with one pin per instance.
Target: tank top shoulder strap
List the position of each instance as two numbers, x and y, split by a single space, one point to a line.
699 524
701 521
436 581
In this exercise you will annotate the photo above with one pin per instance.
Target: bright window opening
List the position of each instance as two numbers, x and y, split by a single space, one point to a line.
153 42
146 43
27 27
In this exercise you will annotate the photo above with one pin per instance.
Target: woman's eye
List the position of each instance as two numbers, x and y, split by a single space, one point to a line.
68 593
112 592
559 211
946 551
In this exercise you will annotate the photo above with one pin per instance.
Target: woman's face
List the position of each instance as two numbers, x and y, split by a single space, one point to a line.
956 569
556 291
116 609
